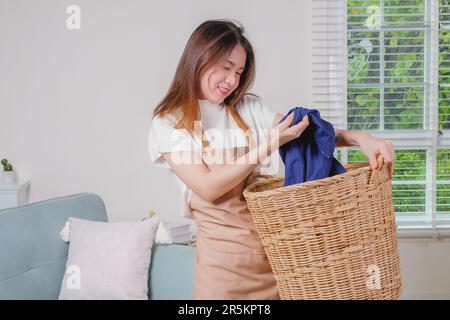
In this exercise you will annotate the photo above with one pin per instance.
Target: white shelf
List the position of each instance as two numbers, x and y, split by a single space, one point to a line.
13 194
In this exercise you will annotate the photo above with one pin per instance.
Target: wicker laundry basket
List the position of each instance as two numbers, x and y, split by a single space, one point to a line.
333 238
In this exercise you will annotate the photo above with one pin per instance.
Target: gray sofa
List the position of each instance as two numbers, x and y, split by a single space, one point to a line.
33 256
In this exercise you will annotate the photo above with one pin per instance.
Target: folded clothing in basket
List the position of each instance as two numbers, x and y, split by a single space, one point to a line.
310 156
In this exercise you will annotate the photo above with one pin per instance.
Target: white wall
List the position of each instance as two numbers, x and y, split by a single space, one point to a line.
425 266
75 105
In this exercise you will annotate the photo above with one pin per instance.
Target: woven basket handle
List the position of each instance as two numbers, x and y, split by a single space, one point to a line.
381 163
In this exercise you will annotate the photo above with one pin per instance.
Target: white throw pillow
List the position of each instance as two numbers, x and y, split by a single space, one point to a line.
107 260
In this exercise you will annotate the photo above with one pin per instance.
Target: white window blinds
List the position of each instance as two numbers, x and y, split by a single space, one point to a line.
383 66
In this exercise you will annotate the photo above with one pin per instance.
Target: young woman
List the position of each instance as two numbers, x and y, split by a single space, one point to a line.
209 95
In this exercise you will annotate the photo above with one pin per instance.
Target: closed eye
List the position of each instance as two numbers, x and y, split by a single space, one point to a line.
226 68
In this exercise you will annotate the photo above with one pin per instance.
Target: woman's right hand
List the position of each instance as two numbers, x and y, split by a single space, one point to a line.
282 132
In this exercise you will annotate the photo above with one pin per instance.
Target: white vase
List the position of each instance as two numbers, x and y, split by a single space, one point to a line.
9 176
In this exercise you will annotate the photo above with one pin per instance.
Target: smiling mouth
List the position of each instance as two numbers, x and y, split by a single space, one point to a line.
224 91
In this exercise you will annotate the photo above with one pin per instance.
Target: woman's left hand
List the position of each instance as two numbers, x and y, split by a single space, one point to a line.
372 147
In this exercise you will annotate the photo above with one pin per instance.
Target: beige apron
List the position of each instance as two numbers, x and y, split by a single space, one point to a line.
230 260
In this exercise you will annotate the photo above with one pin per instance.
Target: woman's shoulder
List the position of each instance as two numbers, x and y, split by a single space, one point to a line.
252 105
249 100
253 109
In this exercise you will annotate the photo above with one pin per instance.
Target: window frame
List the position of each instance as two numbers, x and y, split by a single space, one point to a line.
334 108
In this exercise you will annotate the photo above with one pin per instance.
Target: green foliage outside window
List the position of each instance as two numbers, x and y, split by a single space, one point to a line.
386 90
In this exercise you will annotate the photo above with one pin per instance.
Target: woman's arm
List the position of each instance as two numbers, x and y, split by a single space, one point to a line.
210 185
370 145
347 138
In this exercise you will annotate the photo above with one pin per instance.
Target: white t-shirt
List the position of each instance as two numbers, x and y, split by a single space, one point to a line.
221 131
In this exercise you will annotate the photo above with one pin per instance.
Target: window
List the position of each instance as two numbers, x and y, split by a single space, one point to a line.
383 66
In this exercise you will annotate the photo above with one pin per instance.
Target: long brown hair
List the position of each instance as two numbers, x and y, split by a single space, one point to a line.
209 42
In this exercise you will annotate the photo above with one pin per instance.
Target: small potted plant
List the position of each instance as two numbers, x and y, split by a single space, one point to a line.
9 175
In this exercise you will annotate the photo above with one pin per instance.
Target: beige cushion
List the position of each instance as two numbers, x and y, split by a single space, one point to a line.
108 260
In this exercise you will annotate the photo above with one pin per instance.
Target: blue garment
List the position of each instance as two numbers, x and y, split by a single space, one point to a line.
310 156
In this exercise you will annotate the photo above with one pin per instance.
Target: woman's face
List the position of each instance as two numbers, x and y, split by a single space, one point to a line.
220 80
